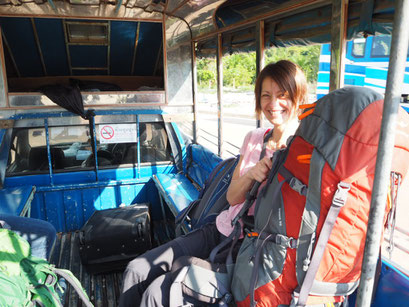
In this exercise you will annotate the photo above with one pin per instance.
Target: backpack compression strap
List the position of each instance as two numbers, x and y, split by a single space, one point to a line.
338 202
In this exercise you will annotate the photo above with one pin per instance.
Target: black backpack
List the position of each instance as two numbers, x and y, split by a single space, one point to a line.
212 198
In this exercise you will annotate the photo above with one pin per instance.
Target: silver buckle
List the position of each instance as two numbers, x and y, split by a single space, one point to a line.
341 194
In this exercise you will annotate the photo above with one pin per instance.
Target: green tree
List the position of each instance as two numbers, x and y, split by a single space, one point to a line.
239 69
307 57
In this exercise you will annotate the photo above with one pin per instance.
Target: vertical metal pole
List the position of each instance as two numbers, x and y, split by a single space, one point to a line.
260 58
399 47
109 47
4 97
94 145
138 146
219 63
338 43
194 91
47 141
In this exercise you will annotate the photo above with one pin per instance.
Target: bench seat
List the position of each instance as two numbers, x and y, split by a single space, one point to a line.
16 200
179 190
176 190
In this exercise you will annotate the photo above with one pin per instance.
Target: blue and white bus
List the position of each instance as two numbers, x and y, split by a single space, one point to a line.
366 64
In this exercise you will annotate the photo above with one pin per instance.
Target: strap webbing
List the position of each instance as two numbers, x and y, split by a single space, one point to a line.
338 202
76 285
176 293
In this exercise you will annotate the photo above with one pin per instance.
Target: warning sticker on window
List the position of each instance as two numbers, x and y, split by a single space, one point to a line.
117 133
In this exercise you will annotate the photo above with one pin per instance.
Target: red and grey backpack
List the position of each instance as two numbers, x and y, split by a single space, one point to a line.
311 217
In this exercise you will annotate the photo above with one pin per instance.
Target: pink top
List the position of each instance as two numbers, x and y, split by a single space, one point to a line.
250 153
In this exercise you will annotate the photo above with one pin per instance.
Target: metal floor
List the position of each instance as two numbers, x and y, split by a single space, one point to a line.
103 290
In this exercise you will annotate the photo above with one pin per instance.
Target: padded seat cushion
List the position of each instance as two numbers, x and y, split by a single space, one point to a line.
177 190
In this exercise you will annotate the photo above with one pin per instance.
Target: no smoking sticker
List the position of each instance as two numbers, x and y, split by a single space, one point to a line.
107 132
117 133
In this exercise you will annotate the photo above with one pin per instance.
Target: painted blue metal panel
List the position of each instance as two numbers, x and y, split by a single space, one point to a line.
52 42
90 201
107 198
37 207
53 202
88 56
37 180
393 287
126 194
73 206
181 143
24 48
122 47
150 38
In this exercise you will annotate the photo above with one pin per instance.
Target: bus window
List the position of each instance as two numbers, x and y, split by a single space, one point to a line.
381 46
358 47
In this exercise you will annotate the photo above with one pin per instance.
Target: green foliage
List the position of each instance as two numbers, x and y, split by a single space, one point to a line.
307 57
239 69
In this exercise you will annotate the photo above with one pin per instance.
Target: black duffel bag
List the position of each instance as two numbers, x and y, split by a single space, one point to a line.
113 237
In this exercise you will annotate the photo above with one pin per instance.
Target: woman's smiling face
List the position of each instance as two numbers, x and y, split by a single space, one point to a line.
275 103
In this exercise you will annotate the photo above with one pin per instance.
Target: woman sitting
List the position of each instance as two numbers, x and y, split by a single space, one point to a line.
280 88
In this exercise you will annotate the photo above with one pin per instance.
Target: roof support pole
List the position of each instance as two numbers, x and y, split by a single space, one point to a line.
4 98
399 47
219 64
338 42
260 57
194 91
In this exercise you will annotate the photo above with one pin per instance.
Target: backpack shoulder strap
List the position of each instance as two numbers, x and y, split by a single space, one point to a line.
74 282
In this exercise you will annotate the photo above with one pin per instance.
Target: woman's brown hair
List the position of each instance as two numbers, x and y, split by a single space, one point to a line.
289 78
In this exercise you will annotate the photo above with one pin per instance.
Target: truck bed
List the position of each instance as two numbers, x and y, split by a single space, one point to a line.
103 289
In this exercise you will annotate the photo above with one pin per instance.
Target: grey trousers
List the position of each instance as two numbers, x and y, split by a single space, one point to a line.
147 279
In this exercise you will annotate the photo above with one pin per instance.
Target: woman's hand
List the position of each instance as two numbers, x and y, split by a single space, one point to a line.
240 185
259 172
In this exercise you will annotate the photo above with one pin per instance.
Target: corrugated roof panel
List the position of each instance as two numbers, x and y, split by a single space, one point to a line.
52 42
150 38
122 46
88 56
19 35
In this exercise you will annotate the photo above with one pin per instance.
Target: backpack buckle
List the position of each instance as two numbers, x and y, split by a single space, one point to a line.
341 194
286 241
298 186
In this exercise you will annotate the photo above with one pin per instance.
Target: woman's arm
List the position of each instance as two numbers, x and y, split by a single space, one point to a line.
240 185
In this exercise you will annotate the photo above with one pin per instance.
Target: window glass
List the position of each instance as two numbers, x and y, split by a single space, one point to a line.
358 47
381 46
70 147
117 145
28 152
